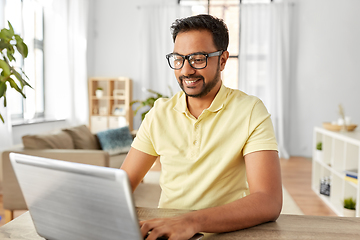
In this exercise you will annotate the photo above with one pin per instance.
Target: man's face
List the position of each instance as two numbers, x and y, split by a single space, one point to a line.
198 82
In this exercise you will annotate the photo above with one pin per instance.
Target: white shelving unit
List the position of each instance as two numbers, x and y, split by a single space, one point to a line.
340 152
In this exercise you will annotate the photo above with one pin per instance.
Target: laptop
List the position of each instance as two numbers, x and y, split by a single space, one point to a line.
77 201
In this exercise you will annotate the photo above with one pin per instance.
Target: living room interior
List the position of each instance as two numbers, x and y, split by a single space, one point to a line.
112 39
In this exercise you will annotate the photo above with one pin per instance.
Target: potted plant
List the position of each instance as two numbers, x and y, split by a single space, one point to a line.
10 43
349 207
318 152
99 92
149 102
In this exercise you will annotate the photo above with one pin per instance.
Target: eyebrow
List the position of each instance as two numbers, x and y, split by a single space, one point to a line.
190 53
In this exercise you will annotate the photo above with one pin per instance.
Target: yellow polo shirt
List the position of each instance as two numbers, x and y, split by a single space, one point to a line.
202 159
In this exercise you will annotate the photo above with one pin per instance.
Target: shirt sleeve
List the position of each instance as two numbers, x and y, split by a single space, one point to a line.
261 131
143 141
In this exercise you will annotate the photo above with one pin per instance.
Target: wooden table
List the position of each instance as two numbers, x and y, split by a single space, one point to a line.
286 227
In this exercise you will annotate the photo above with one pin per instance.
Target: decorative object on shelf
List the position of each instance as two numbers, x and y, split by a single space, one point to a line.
103 111
149 102
351 175
119 92
343 123
349 207
325 185
118 109
99 92
318 152
9 41
335 127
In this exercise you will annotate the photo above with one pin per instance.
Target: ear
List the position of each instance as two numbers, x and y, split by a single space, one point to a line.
223 59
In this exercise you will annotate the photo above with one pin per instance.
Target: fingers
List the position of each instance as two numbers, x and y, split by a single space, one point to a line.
163 227
153 228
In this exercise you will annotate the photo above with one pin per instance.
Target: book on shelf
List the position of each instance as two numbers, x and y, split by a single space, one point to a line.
353 173
350 179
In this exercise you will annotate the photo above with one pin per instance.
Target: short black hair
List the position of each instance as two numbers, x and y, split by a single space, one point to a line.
215 25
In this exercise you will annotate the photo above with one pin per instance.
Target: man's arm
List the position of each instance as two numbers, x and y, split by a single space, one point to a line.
263 204
136 165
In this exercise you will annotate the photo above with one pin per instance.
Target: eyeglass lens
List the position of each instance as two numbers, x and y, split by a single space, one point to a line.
197 61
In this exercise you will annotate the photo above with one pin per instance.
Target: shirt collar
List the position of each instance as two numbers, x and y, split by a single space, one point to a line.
216 105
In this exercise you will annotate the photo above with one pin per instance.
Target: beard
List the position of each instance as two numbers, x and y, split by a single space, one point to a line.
206 88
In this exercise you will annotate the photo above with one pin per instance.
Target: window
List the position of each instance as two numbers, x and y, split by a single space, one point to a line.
26 17
229 11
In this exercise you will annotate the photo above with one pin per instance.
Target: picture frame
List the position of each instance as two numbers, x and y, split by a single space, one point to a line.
119 92
118 110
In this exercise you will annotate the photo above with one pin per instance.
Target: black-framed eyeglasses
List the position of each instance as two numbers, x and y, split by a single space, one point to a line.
196 60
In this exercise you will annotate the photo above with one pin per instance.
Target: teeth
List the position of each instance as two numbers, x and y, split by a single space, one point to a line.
190 81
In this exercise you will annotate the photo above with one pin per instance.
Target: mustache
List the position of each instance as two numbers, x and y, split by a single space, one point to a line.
191 77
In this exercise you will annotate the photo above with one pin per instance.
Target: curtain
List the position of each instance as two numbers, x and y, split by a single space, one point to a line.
265 60
156 43
65 44
77 25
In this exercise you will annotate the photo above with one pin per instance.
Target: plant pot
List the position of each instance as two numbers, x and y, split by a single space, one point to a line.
349 212
99 93
319 155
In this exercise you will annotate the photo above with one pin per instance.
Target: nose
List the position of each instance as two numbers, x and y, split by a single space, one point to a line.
187 70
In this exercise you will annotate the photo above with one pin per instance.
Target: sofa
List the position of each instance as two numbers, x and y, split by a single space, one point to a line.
76 144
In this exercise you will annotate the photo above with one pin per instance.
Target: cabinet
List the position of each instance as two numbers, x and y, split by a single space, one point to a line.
340 152
110 107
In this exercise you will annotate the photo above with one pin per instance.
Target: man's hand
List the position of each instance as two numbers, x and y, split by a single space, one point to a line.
175 228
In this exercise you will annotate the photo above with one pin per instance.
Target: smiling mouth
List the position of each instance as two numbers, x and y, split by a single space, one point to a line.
191 81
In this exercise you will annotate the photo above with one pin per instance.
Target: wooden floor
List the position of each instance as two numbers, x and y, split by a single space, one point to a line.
296 177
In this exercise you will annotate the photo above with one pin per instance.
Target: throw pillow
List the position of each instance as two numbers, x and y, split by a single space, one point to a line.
60 140
115 141
82 137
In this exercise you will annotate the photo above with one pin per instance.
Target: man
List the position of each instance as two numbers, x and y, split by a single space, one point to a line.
216 145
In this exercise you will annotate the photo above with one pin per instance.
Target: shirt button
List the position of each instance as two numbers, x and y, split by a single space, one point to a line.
195 142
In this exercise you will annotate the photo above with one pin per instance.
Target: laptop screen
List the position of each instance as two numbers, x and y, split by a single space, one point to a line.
76 201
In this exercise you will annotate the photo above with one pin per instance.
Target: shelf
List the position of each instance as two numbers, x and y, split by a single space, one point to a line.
340 151
116 98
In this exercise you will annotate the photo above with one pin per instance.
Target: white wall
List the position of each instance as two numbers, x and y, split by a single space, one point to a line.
327 67
114 41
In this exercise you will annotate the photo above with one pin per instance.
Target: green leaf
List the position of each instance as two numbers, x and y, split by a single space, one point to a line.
3 44
6 34
21 80
16 87
5 101
143 114
25 76
2 119
11 29
135 101
21 46
10 56
5 67
2 89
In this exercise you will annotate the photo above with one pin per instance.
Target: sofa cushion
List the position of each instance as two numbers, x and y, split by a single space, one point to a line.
60 140
82 137
115 141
